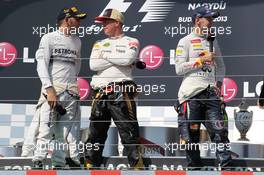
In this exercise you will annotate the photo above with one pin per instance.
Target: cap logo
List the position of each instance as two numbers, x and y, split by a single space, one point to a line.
74 9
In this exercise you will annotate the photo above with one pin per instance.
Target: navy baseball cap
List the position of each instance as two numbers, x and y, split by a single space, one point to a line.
70 12
203 12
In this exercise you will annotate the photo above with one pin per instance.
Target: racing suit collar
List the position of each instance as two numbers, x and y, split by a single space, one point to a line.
62 34
199 35
117 37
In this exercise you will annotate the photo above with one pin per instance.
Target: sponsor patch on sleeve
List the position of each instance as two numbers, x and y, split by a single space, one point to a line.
106 44
179 51
96 46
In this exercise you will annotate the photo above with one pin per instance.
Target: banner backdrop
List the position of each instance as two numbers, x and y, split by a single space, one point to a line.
158 24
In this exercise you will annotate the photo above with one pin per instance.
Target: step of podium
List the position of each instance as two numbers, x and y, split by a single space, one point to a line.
108 172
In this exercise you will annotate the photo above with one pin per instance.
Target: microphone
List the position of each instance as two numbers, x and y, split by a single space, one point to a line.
211 39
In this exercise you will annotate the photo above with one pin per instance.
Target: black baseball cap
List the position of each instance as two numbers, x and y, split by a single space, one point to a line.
70 12
203 12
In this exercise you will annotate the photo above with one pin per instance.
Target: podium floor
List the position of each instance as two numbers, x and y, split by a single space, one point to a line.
86 172
119 166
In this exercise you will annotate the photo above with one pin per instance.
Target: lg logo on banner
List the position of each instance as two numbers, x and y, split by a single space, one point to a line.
153 56
8 54
156 10
229 89
84 88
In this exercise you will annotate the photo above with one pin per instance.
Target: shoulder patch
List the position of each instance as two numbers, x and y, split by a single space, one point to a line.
107 44
96 46
179 51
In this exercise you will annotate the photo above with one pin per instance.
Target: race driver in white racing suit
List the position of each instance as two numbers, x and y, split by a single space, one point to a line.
114 90
58 65
199 93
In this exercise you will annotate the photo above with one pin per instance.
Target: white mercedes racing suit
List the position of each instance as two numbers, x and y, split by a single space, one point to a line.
58 64
31 138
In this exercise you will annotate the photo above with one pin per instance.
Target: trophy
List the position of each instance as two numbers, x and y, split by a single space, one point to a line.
243 120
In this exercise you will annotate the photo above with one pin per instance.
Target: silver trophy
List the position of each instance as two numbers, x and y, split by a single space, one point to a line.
243 120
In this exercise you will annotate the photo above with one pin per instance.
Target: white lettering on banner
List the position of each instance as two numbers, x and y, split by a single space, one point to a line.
179 167
25 56
185 19
135 28
188 19
172 56
151 167
156 10
246 91
17 167
213 6
221 19
131 29
165 167
94 29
